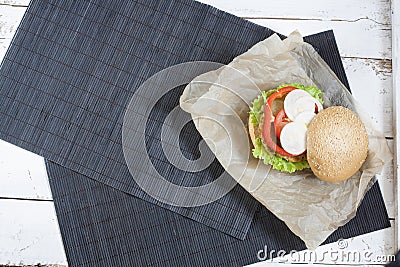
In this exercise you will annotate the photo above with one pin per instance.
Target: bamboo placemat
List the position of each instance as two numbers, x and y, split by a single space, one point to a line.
102 226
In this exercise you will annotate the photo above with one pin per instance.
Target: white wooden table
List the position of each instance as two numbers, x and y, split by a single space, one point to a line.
29 232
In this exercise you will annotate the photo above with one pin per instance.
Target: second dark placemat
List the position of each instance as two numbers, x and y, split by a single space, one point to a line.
101 226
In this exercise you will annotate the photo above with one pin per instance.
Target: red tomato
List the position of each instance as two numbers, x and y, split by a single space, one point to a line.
280 121
266 133
280 93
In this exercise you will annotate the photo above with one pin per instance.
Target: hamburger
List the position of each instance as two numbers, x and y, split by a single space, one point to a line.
291 131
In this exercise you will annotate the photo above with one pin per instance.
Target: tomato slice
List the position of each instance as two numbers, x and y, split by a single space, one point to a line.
279 94
266 132
280 121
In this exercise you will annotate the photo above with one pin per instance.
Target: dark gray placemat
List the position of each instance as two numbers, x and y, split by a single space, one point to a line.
101 226
74 65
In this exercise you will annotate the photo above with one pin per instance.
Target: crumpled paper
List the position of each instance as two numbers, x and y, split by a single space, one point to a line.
219 102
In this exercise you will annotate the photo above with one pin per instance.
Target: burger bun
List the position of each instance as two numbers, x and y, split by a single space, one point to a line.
337 144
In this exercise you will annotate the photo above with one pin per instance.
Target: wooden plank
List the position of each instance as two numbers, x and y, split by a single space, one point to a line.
396 105
15 2
22 174
29 234
350 10
373 40
370 81
10 17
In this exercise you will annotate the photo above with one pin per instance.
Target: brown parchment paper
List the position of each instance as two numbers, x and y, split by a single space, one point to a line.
218 102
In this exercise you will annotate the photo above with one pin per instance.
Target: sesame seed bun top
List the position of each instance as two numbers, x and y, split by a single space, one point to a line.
337 144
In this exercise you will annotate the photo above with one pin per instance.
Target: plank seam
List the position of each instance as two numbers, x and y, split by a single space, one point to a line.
12 5
29 199
319 19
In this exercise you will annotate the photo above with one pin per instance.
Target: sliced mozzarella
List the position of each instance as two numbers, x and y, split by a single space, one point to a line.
299 101
305 117
304 104
293 138
293 107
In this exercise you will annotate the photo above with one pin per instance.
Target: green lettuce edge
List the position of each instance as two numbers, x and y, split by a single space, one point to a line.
256 109
313 91
277 162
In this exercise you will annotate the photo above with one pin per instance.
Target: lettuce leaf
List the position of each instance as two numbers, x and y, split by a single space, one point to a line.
256 110
278 163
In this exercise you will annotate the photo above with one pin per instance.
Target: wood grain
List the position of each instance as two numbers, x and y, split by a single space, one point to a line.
333 10
16 3
22 174
396 107
10 18
371 84
29 233
362 38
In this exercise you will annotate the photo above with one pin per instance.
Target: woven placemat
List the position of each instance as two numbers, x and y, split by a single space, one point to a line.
73 66
101 226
